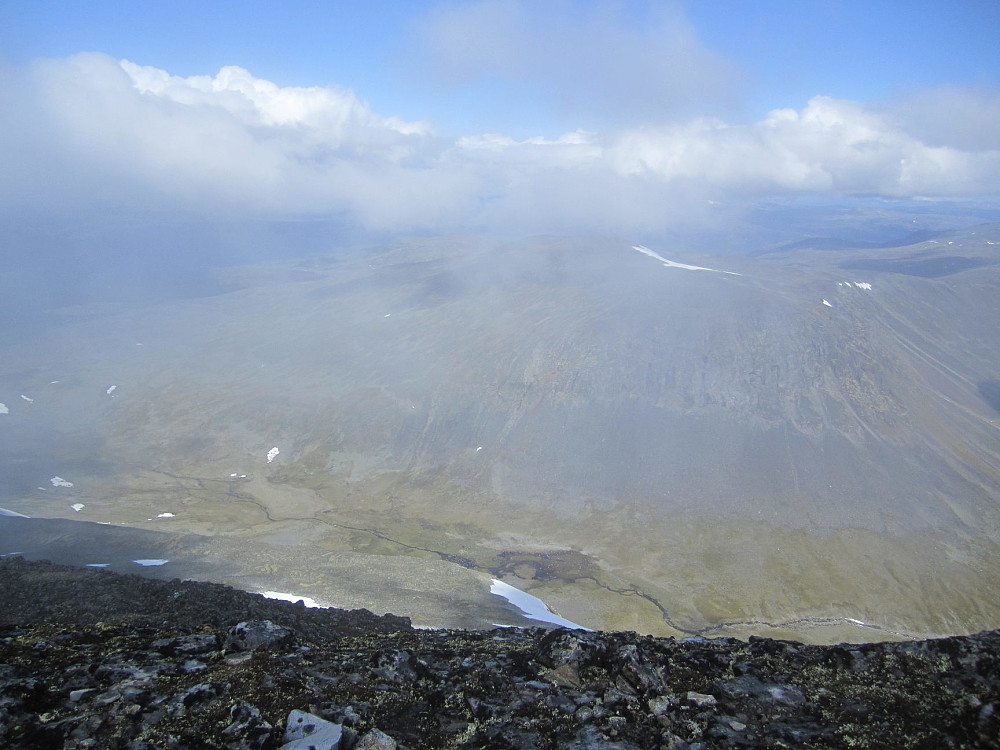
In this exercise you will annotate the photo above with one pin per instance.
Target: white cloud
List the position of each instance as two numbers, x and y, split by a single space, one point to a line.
830 146
90 131
336 114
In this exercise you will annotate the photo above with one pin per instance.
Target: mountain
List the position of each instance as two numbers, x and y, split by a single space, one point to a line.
802 442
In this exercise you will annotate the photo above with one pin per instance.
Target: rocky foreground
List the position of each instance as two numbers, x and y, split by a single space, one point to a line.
94 659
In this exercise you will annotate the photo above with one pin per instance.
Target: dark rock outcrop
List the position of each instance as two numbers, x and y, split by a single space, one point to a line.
40 593
150 678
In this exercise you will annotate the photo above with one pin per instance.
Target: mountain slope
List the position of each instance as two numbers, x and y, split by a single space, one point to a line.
786 440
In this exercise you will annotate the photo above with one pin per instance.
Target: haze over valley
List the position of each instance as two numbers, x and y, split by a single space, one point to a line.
643 444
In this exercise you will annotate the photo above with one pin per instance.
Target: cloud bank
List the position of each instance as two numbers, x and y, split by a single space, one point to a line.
90 133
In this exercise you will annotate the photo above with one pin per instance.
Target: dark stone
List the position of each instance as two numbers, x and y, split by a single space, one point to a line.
254 634
190 645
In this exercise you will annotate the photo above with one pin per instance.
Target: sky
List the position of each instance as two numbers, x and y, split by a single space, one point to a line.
479 116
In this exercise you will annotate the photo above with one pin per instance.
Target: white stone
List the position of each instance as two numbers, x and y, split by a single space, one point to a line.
305 731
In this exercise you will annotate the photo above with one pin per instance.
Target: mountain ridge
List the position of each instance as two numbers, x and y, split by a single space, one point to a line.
80 667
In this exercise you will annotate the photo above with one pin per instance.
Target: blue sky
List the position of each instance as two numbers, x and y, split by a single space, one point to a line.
446 116
781 53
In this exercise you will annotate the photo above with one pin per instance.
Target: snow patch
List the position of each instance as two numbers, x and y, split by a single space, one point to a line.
309 602
111 389
4 409
673 264
825 302
272 454
532 607
12 514
60 482
165 515
863 285
151 563
98 565
78 507
29 400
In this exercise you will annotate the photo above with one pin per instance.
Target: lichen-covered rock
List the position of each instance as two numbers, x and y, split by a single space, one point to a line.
376 739
129 684
248 729
188 645
254 634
